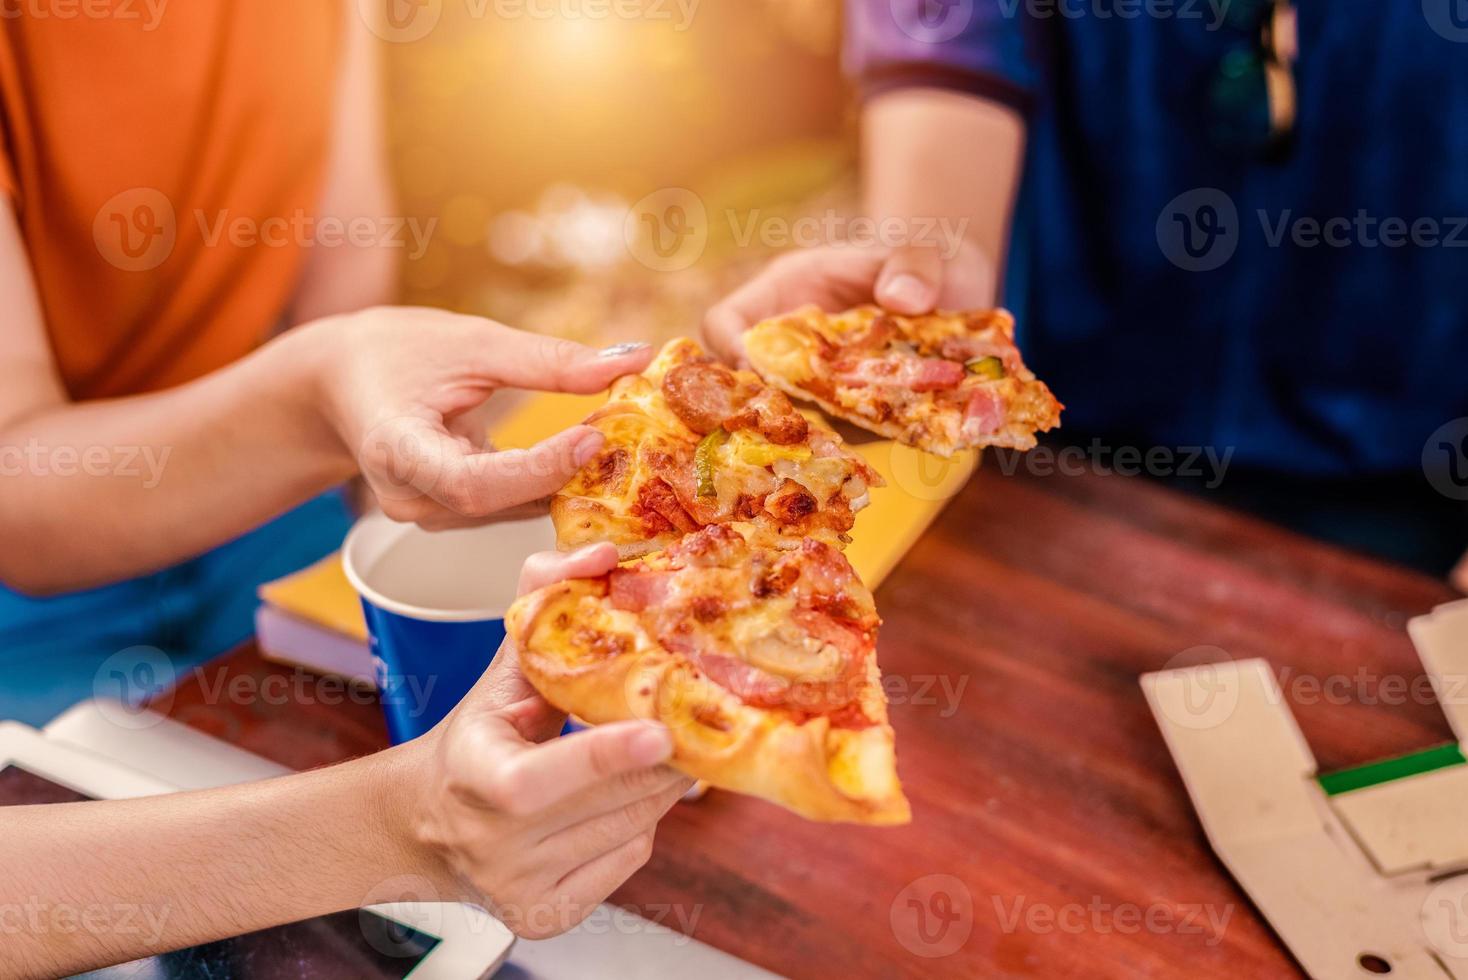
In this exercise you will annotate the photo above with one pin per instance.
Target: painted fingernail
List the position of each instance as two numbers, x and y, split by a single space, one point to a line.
908 290
651 745
587 447
617 350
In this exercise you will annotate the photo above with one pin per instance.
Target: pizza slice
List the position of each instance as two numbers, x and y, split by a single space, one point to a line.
691 443
940 382
761 662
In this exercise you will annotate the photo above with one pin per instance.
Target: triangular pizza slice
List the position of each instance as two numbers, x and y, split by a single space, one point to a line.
691 442
941 382
761 662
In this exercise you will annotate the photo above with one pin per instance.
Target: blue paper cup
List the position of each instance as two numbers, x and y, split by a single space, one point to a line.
435 606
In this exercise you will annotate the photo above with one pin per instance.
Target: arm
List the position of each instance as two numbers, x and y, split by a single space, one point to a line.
939 154
110 488
98 491
928 156
942 145
477 810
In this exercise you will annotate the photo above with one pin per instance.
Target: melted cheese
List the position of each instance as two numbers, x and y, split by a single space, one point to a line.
583 629
788 347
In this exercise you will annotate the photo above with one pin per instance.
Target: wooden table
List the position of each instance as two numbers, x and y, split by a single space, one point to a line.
1043 790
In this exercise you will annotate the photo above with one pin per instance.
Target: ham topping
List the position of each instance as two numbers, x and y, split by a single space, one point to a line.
635 589
808 660
968 348
984 414
896 371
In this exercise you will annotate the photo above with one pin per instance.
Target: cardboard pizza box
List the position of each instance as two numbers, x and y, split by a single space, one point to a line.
1361 873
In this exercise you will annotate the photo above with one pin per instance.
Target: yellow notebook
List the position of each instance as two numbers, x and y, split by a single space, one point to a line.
918 485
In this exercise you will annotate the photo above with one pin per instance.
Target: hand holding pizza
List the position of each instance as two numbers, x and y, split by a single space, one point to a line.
911 280
399 390
542 829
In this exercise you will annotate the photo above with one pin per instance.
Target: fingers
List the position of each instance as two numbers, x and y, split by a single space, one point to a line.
561 903
833 278
420 458
538 778
630 790
549 567
911 280
724 325
584 840
435 518
589 885
518 359
481 483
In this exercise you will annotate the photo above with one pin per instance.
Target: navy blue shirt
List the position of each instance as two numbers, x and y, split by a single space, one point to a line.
1309 311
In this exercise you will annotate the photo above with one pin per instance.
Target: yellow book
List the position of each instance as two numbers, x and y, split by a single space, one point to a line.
918 485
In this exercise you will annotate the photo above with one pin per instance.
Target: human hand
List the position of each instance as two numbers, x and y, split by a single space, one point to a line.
400 387
541 833
910 280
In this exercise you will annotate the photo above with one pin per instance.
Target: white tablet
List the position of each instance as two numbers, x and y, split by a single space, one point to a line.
430 941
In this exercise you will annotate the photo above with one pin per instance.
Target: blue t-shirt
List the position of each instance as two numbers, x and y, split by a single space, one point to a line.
1309 311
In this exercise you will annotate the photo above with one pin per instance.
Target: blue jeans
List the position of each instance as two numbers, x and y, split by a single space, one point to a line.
51 649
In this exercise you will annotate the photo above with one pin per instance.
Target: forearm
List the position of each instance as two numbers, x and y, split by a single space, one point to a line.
99 491
937 154
197 867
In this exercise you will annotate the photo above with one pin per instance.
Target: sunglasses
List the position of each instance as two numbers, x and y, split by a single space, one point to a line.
1252 89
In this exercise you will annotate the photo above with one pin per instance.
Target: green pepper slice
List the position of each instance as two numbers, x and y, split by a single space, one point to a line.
705 459
987 367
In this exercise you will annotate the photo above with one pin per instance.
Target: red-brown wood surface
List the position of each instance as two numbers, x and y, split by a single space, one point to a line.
1040 788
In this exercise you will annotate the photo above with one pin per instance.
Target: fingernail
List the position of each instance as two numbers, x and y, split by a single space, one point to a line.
651 745
617 350
908 290
587 447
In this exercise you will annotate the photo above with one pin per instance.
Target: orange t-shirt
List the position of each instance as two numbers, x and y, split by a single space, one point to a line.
144 145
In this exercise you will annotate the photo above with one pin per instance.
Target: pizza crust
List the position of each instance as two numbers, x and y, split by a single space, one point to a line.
818 771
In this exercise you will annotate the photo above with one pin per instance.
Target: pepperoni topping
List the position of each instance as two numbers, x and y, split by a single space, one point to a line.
702 394
706 396
771 413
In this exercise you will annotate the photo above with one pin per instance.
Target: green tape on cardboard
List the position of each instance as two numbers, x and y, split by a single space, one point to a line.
1438 757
